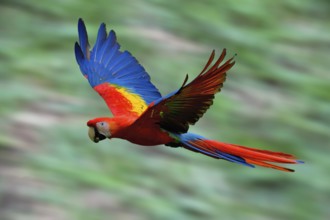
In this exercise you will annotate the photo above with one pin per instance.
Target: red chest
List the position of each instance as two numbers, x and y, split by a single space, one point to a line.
145 136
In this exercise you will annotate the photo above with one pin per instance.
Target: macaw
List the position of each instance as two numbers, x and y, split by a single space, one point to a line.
144 117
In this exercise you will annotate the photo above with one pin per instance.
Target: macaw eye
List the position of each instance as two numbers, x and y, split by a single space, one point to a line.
101 125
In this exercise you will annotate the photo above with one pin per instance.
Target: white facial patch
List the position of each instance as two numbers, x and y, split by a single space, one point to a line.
103 128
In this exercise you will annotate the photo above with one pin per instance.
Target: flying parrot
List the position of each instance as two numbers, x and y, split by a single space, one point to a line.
144 117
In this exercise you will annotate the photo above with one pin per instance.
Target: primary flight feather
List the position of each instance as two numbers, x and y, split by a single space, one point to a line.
142 116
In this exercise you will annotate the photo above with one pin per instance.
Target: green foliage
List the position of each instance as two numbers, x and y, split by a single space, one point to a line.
276 97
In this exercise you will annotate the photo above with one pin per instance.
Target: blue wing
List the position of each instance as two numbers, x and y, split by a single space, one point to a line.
106 64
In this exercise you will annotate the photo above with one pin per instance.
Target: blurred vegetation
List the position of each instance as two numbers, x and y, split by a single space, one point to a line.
276 97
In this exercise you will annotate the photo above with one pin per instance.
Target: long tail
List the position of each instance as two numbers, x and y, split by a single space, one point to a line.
237 154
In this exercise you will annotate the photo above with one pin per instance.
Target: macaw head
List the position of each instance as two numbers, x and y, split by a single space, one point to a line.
99 129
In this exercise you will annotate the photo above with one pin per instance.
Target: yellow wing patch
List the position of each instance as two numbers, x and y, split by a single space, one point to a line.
120 100
138 104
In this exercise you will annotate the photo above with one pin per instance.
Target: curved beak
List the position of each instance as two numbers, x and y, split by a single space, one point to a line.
94 135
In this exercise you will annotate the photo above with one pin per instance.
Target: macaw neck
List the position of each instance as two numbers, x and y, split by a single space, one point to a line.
118 124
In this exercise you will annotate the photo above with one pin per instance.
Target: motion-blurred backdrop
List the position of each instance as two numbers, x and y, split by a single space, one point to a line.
276 97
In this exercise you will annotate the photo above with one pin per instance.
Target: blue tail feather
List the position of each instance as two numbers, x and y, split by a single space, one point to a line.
188 140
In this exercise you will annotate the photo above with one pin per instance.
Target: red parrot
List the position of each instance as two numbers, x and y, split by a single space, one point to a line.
142 116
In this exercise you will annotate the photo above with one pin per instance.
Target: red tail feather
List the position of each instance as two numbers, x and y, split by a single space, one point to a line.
249 155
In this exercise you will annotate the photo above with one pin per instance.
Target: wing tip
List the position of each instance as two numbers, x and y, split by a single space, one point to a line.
102 30
83 38
80 21
81 27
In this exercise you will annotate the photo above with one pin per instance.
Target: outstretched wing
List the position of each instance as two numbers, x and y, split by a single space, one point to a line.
176 111
117 76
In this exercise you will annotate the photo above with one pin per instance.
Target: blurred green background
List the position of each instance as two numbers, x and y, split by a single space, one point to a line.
276 97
